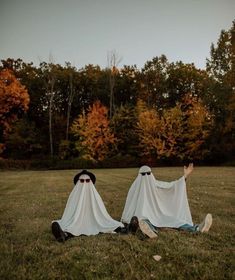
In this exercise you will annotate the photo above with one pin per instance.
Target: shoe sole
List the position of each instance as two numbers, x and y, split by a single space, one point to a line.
147 230
208 223
57 232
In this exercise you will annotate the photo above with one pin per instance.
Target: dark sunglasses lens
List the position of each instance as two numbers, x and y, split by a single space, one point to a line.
84 180
144 173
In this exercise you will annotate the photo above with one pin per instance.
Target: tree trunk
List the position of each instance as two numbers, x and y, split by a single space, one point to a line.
113 61
111 84
52 82
50 125
70 101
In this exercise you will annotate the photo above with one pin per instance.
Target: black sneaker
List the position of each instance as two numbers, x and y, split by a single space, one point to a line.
134 224
58 232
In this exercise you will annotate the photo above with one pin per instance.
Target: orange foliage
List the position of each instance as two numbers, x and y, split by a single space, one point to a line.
95 138
14 99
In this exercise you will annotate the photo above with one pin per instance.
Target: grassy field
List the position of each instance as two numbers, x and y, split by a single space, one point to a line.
30 200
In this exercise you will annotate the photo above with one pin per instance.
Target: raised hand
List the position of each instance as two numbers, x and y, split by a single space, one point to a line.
188 170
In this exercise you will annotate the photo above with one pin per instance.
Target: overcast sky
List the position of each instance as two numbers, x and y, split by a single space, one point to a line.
83 31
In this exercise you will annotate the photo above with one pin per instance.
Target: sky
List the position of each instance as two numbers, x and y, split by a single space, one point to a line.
84 31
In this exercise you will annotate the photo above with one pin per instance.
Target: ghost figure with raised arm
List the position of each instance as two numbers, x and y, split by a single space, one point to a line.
85 212
162 204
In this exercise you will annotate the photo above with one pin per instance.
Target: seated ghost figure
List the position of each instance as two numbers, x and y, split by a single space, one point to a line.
159 204
85 213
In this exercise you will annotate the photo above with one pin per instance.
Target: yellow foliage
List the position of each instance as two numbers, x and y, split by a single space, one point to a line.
178 132
159 133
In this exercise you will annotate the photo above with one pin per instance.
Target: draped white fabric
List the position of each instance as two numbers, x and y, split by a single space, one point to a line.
85 212
165 204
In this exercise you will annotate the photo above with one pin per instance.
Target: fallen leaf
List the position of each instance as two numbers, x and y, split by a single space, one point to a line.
157 258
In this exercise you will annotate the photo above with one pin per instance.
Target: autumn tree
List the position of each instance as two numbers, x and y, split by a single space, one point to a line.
197 122
158 133
174 133
14 100
94 137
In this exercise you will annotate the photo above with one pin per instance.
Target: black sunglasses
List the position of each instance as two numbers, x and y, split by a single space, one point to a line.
84 180
144 173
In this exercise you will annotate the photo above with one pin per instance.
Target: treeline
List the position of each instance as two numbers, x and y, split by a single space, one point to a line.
163 113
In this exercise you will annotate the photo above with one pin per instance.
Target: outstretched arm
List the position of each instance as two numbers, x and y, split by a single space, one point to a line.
188 170
168 185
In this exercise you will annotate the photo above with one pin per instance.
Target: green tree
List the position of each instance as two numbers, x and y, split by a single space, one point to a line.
124 126
153 79
23 141
221 68
56 102
91 88
127 86
184 79
221 64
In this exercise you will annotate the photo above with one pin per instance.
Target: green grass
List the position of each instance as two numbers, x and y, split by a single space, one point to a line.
30 200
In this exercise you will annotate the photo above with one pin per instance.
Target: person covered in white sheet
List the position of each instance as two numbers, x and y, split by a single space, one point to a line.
157 204
85 212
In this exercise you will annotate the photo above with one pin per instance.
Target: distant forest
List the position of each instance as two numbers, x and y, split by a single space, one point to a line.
165 113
